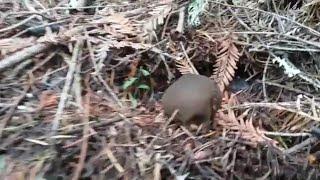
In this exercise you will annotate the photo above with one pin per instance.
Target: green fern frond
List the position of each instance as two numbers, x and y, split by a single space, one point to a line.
195 9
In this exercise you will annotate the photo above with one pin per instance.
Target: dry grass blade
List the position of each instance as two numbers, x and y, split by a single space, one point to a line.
226 63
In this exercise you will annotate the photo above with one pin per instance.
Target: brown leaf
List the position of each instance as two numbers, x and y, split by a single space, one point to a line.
144 120
240 126
48 99
224 68
133 68
184 67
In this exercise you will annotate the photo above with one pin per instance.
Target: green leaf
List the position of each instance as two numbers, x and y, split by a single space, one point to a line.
195 9
129 82
134 102
143 86
144 72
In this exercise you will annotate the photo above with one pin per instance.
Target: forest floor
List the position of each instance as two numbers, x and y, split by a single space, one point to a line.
81 87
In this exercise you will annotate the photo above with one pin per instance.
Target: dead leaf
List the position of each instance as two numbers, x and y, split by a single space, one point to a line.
226 63
48 99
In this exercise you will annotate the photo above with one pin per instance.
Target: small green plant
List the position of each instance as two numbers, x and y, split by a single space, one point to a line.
195 9
137 85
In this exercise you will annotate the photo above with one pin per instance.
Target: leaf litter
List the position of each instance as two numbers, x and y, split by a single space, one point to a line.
80 89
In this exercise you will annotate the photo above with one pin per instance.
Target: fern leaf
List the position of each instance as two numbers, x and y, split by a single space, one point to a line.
184 67
241 126
195 9
226 63
158 14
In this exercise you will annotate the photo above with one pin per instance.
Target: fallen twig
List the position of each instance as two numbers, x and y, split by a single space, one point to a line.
22 55
279 106
301 145
114 160
85 119
9 114
66 88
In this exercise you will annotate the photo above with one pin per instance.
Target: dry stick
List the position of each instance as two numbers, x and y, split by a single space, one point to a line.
75 143
158 51
107 87
12 109
315 82
285 134
114 160
38 27
66 88
161 56
18 69
157 167
301 145
18 24
286 87
85 7
163 129
170 75
48 58
109 90
277 106
313 107
22 55
264 80
188 60
28 6
166 25
91 54
270 13
181 20
180 29
269 46
39 4
84 117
